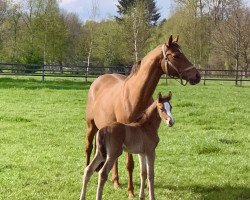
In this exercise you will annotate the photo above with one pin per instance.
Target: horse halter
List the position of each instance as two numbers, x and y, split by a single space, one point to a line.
168 63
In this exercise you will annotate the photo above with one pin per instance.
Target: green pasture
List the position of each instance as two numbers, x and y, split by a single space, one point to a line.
42 133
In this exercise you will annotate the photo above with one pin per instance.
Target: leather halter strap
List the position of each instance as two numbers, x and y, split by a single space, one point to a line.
169 63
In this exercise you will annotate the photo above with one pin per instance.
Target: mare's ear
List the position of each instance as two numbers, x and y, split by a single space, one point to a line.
159 98
176 39
170 40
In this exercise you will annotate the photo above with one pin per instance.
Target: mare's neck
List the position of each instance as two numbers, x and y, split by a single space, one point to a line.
140 86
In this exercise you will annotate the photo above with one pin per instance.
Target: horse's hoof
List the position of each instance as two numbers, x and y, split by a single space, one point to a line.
131 195
116 184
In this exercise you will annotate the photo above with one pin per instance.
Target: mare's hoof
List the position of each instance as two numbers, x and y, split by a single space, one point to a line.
116 184
131 195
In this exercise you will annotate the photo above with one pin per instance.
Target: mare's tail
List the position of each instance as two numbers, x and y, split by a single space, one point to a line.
101 146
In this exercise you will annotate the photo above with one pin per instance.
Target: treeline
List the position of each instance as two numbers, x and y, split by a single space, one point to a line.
215 33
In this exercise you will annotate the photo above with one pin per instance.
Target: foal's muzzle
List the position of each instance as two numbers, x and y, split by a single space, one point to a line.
170 122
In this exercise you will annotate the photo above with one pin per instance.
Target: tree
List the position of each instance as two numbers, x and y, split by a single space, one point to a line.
14 34
110 44
136 30
74 48
232 35
3 16
124 7
192 23
94 13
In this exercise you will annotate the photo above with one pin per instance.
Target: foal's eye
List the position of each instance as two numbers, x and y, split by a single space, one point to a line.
176 56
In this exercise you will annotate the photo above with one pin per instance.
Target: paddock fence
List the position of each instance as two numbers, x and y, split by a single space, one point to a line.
85 72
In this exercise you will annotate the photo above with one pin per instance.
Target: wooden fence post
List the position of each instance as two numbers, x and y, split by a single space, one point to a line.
241 77
236 77
204 79
86 74
43 75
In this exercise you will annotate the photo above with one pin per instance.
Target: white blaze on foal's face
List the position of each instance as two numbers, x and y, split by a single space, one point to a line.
164 108
168 109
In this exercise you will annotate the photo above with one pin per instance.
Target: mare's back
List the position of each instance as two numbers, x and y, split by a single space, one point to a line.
105 84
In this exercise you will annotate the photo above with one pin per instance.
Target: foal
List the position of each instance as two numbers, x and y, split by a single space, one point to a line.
135 138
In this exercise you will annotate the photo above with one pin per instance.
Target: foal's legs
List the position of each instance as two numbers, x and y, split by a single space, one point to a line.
88 172
103 175
130 168
143 175
115 177
150 159
91 131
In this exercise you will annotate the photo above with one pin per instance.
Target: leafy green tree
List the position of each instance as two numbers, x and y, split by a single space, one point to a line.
110 44
74 46
136 30
232 35
124 7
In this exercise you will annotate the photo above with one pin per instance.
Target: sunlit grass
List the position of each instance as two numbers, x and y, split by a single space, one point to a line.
42 132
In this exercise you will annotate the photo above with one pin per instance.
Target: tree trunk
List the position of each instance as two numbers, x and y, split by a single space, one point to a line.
237 71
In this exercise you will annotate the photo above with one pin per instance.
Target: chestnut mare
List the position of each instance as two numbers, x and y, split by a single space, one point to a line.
137 138
117 98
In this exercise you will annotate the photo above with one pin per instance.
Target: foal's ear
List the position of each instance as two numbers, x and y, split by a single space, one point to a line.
159 98
170 94
170 40
176 39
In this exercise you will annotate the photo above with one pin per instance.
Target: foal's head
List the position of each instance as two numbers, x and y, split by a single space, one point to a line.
164 108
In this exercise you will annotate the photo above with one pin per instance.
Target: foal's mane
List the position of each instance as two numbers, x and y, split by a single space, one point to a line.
145 115
175 45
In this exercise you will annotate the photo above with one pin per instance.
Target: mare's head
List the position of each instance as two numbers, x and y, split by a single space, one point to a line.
164 108
176 63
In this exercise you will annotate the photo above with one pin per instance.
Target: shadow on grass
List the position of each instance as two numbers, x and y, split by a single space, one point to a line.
213 192
6 83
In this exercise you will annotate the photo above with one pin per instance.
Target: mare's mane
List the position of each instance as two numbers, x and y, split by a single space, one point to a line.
135 68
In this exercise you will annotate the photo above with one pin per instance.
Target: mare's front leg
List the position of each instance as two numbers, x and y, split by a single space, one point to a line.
103 175
88 172
150 159
130 168
91 131
143 175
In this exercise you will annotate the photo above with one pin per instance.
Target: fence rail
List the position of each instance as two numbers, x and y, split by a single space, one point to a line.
92 72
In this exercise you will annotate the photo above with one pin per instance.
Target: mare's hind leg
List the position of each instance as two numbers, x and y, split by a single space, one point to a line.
130 168
91 131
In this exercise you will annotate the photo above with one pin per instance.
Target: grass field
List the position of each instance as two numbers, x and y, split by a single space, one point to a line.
42 132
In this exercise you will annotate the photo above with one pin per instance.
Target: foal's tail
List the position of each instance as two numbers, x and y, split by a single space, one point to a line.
101 146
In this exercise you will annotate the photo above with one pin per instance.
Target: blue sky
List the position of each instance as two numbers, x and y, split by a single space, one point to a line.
107 8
